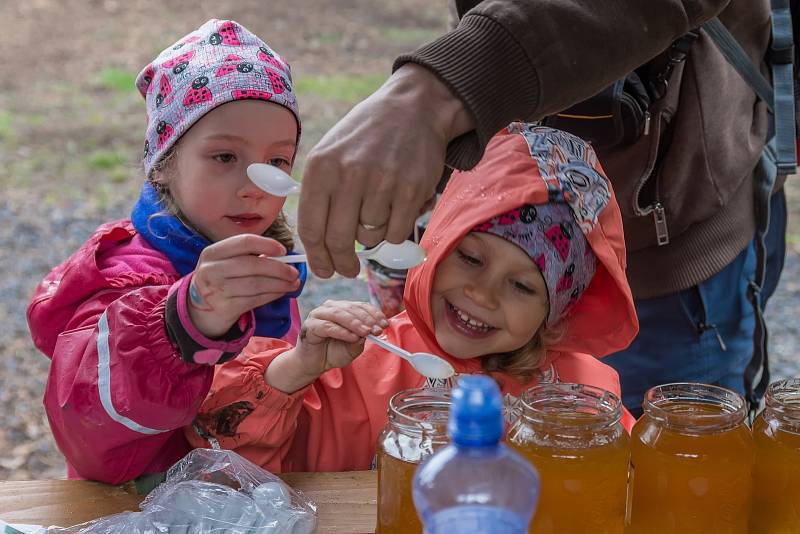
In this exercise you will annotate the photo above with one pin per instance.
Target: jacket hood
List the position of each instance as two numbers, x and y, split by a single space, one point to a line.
527 164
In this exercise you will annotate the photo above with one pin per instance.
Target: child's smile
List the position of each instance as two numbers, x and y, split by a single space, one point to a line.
466 323
488 297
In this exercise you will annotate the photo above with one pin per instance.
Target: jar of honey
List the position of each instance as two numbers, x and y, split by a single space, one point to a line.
573 436
416 428
691 462
776 477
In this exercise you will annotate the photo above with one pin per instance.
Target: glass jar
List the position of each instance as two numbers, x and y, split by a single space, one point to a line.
776 477
573 436
691 462
416 428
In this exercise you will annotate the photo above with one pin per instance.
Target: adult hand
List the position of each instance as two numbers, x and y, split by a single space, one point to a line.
371 174
234 276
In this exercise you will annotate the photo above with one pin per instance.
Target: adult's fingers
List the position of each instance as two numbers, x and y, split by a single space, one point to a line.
312 211
376 207
340 232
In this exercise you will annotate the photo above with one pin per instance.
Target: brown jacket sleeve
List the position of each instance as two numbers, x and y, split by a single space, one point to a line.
524 59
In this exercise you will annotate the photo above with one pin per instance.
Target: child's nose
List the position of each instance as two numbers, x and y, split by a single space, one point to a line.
250 190
481 294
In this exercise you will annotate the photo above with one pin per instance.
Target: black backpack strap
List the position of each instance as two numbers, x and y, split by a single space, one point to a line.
778 157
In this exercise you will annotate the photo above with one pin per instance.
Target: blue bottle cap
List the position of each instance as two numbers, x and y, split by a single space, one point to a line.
476 412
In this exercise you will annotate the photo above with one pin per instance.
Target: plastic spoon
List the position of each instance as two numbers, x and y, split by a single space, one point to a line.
272 180
428 365
404 255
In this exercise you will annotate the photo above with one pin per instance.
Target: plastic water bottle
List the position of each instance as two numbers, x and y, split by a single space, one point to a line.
476 484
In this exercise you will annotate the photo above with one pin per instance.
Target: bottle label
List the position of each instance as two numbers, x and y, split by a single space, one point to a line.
476 519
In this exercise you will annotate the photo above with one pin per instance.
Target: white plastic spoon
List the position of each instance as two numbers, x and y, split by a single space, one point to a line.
272 180
428 365
404 255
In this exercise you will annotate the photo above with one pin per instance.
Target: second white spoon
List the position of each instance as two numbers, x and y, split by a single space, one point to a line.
428 365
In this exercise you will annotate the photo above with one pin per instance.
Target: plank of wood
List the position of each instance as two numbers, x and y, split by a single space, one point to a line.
346 502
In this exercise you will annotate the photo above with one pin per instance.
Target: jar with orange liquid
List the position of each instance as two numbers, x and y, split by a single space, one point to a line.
776 477
416 428
573 436
691 462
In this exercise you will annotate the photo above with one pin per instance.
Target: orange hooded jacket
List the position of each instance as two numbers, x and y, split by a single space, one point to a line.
333 424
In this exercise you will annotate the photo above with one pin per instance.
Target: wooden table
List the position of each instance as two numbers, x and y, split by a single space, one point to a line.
345 501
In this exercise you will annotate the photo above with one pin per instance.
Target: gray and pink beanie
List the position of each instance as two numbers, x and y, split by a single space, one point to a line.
219 62
549 234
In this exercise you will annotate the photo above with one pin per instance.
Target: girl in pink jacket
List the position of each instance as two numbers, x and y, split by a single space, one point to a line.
525 278
136 319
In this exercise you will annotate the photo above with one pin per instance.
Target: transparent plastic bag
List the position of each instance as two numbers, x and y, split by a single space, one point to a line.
212 491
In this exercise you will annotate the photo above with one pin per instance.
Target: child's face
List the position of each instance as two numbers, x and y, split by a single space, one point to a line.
210 184
492 282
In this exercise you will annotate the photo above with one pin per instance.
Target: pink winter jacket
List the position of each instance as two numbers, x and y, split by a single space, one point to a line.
118 394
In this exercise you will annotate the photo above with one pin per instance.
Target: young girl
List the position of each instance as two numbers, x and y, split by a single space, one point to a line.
135 320
524 278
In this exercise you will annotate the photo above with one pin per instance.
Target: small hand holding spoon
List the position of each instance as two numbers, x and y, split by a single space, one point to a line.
428 365
272 180
404 255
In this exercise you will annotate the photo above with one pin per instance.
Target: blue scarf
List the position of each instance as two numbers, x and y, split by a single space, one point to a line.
167 234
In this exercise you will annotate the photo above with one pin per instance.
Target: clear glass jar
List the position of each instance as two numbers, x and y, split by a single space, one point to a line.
776 477
416 428
573 436
691 462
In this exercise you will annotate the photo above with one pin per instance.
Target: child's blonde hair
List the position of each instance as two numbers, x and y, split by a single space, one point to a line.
524 363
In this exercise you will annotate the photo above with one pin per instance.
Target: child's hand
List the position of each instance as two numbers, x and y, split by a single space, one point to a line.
332 336
231 278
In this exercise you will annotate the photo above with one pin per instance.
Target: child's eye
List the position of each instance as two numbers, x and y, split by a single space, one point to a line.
522 288
280 162
225 157
469 260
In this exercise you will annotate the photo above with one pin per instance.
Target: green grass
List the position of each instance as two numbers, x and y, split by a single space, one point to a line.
330 37
6 124
347 88
116 80
411 36
106 159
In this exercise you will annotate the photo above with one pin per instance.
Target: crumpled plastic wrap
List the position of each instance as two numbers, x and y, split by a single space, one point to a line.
212 491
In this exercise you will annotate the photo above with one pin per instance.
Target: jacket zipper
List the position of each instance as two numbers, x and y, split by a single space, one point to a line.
660 218
656 208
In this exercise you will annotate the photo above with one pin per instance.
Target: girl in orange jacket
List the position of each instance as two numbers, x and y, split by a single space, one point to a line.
525 278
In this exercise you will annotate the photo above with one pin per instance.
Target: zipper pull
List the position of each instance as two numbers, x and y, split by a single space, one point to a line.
662 233
646 123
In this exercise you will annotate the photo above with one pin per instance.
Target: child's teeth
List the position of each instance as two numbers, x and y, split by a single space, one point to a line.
470 321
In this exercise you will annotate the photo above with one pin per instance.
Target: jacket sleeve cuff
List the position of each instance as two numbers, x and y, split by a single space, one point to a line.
489 71
193 346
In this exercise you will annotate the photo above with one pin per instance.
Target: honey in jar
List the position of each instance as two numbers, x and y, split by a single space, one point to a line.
776 476
573 436
691 462
416 428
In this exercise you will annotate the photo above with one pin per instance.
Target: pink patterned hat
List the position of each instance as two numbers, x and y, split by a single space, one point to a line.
219 62
549 234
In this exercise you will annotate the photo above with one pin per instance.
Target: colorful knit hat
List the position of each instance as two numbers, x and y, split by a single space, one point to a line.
219 62
549 235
